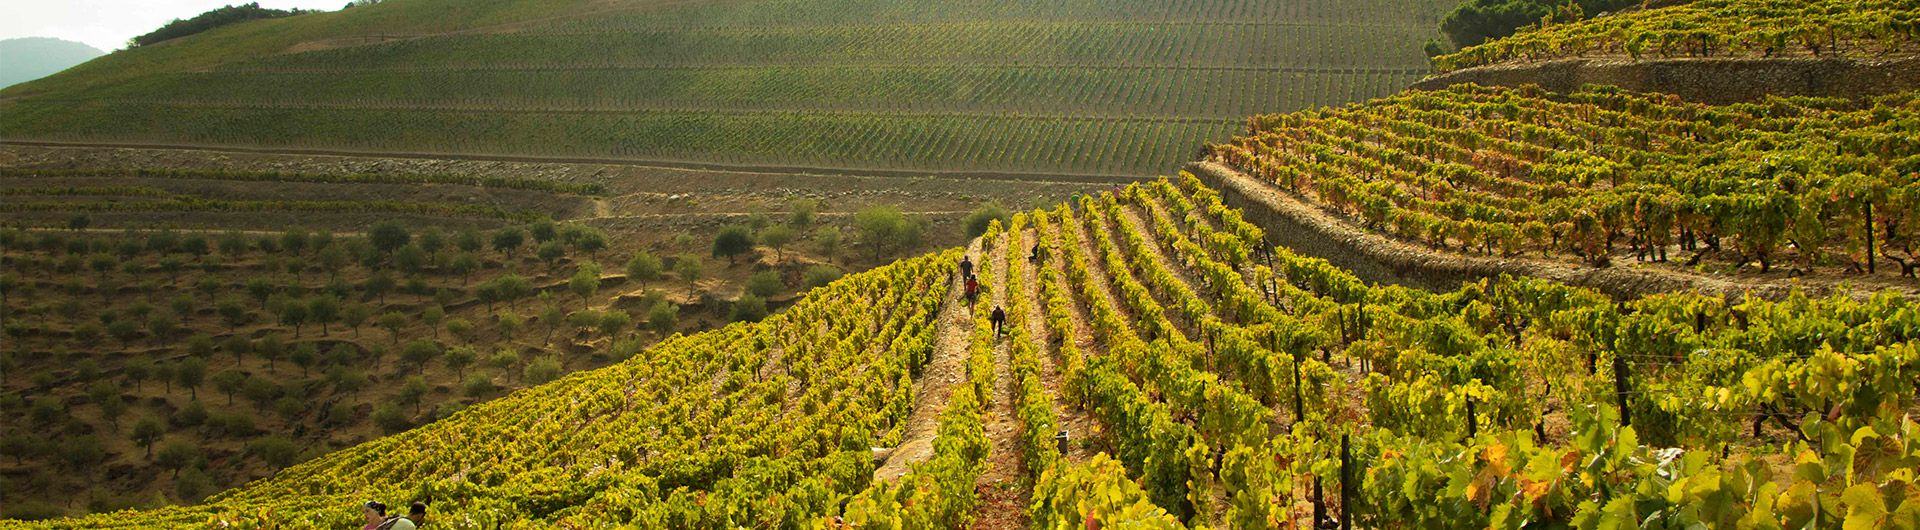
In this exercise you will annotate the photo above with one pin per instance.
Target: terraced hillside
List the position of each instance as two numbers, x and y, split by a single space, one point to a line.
1816 185
1201 378
1082 87
1714 28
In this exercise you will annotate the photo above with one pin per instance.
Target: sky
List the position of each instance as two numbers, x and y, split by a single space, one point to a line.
108 24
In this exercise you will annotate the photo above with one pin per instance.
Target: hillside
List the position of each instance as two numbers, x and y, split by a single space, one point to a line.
1083 87
31 58
1708 51
1202 378
1820 187
1714 28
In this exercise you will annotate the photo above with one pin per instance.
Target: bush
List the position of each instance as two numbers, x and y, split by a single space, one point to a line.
390 419
765 283
477 385
983 217
663 317
276 451
541 371
749 308
821 275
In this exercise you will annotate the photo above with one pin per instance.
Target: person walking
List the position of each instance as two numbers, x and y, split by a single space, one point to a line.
966 267
973 290
999 320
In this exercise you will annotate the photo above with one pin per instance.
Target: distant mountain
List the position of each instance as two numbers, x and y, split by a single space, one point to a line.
27 59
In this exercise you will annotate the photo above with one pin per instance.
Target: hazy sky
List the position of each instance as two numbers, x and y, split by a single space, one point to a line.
107 24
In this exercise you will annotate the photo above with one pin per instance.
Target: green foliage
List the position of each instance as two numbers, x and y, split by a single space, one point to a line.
218 17
732 241
885 230
976 222
748 308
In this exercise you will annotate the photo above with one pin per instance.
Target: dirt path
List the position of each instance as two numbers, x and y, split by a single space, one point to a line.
935 385
1071 418
1017 176
1002 499
1161 251
1096 265
1311 230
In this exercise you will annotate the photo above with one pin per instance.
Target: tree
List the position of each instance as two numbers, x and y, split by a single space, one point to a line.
261 392
585 281
805 212
464 264
508 240
305 356
379 284
354 315
388 236
663 317
687 267
270 348
828 238
419 353
229 382
461 328
590 241
765 283
108 396
509 324
733 241
124 330
467 240
432 316
983 217
293 314
78 222
261 289
392 321
551 315
885 230
413 392
643 267
459 358
542 231
232 312
163 324
190 373
146 432
410 259
179 454
323 309
777 237
550 252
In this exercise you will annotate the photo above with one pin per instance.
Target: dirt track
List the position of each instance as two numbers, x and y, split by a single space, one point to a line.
1309 230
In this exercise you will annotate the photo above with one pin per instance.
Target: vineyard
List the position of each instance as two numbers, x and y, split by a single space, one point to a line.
1203 379
1096 87
1713 28
1601 174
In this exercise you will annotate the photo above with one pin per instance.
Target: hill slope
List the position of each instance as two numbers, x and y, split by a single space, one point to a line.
1204 378
31 58
1089 86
